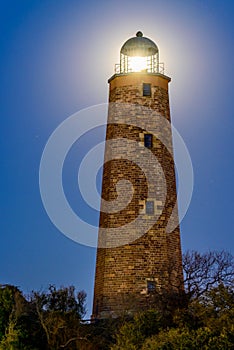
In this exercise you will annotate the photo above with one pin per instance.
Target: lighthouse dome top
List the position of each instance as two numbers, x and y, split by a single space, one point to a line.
139 55
139 46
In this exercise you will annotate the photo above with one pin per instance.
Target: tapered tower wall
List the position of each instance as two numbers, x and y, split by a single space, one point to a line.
123 272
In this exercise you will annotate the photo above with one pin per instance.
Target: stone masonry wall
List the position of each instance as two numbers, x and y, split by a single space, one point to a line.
122 272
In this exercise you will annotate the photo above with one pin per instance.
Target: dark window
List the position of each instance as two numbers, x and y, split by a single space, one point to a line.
146 89
149 207
148 140
151 286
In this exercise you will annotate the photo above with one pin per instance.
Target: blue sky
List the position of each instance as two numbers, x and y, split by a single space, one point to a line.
56 58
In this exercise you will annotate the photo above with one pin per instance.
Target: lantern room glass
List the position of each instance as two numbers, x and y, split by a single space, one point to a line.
130 64
139 55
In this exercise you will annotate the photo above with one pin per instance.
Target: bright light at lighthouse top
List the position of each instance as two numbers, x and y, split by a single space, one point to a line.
139 54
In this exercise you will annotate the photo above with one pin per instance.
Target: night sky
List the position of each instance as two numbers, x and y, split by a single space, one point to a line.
56 57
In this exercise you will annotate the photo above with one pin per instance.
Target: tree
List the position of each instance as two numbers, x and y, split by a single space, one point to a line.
12 305
133 333
202 272
60 312
201 317
19 326
10 341
185 339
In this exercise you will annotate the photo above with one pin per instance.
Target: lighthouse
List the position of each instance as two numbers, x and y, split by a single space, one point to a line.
139 250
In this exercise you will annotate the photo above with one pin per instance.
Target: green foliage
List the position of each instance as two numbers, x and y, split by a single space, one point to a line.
63 300
185 339
199 318
48 321
11 339
12 306
204 324
101 334
133 333
20 328
59 312
6 306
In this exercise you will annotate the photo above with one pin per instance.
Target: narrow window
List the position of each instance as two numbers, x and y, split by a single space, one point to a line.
148 140
146 89
151 287
149 207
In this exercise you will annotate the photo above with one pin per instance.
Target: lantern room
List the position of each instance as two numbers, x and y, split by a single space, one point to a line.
139 54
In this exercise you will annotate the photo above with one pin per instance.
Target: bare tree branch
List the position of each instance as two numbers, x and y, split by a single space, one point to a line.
208 270
71 340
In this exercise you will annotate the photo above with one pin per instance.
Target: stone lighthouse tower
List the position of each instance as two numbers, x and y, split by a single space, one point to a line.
139 250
